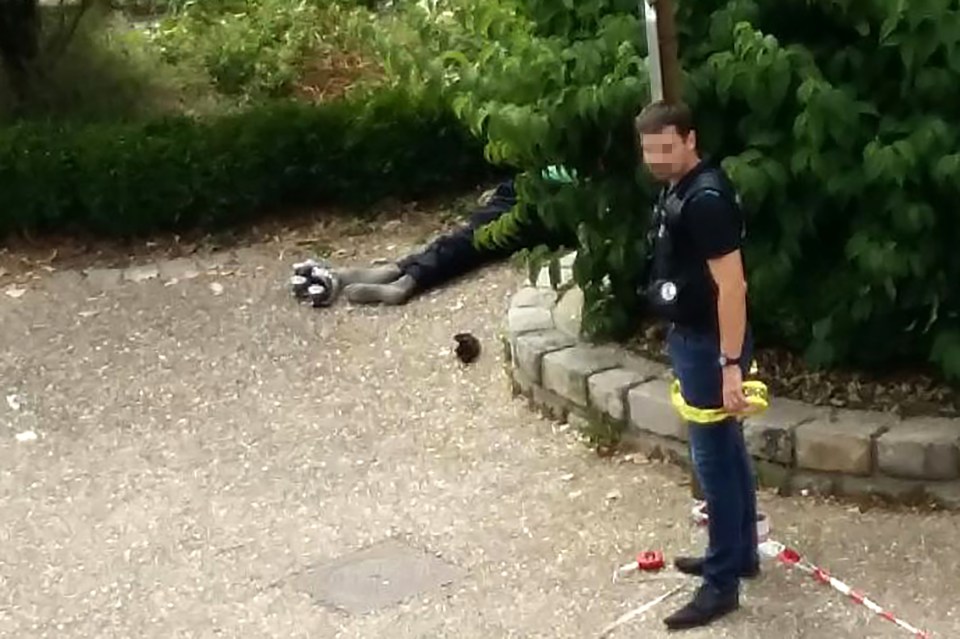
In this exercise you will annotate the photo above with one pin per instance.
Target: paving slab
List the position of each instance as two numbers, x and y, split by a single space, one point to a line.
374 578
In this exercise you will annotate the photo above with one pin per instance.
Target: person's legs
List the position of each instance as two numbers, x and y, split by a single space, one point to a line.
383 274
749 563
749 560
394 293
717 462
716 458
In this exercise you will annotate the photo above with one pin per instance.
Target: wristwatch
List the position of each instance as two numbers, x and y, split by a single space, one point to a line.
728 361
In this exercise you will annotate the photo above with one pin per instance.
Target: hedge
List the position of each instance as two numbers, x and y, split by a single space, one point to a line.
137 178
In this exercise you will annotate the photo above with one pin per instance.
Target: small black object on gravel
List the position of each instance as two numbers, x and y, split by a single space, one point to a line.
468 347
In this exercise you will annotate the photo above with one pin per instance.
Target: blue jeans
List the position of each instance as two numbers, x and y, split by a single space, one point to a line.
720 458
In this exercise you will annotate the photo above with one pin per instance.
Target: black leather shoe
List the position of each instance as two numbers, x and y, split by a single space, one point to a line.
707 606
694 566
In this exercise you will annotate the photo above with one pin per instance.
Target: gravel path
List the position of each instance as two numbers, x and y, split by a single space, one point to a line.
201 455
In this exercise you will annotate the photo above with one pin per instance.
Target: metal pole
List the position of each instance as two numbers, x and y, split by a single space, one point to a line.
669 56
653 51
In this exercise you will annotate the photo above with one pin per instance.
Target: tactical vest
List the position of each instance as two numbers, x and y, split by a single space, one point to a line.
669 279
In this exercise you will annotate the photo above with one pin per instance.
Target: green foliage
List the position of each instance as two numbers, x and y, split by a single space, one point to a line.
834 119
254 49
546 83
135 178
251 49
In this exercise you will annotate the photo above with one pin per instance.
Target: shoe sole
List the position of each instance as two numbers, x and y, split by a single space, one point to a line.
691 626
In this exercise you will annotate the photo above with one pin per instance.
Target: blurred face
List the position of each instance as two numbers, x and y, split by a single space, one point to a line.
669 155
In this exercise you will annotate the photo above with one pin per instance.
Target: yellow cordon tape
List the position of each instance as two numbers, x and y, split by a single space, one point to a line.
754 390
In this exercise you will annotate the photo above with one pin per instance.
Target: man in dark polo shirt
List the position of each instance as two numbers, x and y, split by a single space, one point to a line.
697 284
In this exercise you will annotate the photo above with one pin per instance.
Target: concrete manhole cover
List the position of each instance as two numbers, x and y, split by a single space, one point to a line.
374 578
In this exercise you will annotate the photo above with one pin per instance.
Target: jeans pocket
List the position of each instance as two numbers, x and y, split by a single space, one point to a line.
696 366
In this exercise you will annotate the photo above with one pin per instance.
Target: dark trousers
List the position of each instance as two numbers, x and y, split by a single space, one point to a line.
720 459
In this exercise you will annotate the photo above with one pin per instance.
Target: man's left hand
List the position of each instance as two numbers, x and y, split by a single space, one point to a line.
734 401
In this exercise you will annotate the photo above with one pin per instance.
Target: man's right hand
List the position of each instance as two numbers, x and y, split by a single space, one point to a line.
734 401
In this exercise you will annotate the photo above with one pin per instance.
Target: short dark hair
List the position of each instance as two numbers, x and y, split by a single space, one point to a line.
658 115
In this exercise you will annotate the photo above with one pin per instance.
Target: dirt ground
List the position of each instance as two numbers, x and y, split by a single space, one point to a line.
203 446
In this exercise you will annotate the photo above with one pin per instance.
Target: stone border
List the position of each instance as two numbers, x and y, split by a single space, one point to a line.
796 447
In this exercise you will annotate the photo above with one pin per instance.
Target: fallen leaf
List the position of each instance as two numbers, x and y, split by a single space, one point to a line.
15 292
216 288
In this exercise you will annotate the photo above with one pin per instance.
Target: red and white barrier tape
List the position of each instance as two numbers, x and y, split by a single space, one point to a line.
792 559
787 556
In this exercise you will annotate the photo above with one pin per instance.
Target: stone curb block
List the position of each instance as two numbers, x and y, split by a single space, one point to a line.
532 296
843 444
607 391
529 350
529 318
921 449
770 435
566 372
646 367
649 409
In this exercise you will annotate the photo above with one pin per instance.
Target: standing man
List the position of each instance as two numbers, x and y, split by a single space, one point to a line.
698 285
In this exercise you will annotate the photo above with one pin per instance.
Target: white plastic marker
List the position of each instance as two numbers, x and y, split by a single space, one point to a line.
636 612
701 518
792 559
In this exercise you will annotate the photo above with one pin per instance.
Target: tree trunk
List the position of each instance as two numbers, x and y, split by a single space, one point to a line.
19 41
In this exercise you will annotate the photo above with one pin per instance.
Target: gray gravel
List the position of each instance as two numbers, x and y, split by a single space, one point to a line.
197 452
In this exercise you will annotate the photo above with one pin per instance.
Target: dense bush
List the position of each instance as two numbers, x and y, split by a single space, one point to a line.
255 49
544 84
834 118
135 178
